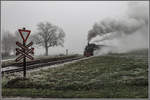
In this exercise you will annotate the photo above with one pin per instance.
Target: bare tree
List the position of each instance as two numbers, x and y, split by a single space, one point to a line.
8 43
49 35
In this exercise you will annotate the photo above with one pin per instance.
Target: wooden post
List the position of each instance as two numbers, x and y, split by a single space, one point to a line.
24 60
24 63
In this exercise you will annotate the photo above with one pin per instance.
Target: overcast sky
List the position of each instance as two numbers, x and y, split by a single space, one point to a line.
75 17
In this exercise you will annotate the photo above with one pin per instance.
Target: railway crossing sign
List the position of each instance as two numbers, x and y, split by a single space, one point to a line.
25 50
24 47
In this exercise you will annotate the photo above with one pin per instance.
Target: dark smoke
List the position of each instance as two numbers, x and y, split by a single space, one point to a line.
124 34
137 18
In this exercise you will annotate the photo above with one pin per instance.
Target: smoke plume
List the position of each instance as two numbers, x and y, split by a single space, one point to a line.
123 34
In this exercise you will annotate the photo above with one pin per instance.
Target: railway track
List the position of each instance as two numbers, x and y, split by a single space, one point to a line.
38 65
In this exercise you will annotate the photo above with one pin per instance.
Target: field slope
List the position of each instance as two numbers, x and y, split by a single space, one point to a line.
109 76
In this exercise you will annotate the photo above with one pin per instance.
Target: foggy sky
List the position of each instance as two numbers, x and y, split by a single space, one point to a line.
75 17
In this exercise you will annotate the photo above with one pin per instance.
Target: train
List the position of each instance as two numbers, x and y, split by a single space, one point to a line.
91 47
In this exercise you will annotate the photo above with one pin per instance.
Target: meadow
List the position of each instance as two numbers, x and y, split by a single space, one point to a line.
109 76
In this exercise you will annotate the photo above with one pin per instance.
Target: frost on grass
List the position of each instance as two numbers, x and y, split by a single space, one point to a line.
95 73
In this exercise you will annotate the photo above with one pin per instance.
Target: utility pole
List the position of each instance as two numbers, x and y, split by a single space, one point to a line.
66 51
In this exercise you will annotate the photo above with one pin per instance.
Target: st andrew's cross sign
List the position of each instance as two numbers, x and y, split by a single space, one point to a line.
24 50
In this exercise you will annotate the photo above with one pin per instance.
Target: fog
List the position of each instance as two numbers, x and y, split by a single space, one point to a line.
76 18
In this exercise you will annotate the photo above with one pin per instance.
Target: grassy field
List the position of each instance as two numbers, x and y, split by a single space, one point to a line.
109 76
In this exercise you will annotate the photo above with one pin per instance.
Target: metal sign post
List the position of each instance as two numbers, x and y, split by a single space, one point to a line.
24 49
24 62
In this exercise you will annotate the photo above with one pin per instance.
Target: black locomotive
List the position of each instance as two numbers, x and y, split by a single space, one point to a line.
89 49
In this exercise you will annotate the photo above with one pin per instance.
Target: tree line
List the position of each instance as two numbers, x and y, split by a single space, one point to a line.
47 35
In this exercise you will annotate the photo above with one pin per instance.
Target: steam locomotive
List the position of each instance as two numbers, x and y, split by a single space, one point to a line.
90 48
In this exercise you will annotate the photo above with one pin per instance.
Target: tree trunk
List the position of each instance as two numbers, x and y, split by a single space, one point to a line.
46 51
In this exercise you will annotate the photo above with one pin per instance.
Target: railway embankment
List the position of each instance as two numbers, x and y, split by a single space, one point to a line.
38 59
